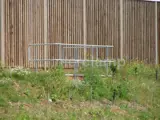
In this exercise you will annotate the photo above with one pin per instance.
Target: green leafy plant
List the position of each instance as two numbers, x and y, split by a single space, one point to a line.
56 84
3 102
23 116
134 86
20 72
113 69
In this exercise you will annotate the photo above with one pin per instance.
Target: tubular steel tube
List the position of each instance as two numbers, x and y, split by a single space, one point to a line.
106 57
97 53
76 63
60 53
75 60
29 58
36 65
70 45
92 55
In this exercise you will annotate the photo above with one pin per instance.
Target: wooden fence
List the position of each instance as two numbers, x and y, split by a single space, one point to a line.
30 21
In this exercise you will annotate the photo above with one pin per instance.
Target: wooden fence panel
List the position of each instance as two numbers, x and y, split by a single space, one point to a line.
24 24
65 25
103 25
139 30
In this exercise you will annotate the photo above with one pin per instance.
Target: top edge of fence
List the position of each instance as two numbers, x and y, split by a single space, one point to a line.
71 45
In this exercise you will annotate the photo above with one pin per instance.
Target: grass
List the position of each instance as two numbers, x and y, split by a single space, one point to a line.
131 93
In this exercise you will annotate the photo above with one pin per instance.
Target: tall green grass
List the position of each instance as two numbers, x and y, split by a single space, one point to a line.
134 82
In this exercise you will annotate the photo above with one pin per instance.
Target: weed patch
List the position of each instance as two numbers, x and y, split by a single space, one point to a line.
46 92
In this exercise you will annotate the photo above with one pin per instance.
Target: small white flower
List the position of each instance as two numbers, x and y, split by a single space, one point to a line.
50 100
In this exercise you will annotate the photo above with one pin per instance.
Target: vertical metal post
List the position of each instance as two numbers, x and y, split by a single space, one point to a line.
106 53
75 64
60 53
63 53
92 49
97 53
2 32
121 28
29 53
106 57
36 62
156 32
97 64
76 53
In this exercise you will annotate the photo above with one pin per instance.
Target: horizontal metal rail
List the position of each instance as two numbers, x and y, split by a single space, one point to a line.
79 75
71 45
75 60
71 60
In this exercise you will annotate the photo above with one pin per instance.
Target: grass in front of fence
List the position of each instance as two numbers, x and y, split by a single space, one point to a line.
131 93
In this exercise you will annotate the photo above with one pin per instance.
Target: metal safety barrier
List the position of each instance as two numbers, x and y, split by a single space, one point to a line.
75 60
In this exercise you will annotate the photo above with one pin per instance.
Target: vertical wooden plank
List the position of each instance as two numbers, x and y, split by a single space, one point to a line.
20 31
2 30
121 28
156 33
25 34
23 31
38 28
45 30
50 26
15 33
6 31
11 34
